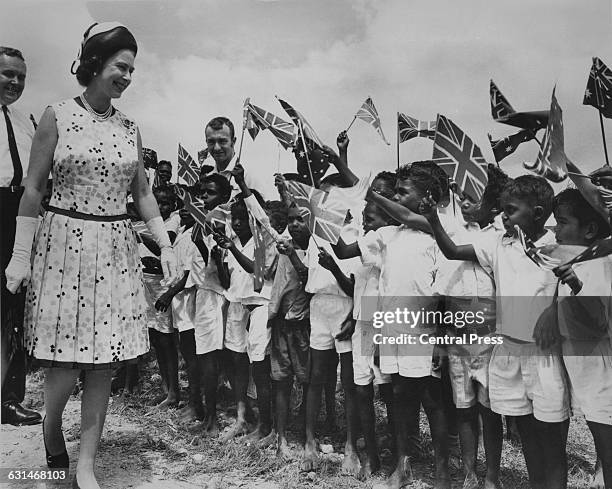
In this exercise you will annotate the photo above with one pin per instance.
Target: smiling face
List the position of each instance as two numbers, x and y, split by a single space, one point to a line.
12 79
164 171
116 74
220 145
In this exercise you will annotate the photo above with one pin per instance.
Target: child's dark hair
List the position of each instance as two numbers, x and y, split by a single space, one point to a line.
437 172
277 212
239 208
424 178
496 182
578 207
388 180
165 192
533 189
223 185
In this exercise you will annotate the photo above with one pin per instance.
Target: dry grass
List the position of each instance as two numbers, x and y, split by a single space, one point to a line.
143 441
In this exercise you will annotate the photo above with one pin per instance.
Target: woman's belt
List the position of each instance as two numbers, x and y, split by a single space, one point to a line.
86 217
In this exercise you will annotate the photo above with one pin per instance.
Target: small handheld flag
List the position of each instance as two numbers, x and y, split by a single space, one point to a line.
409 128
598 91
505 147
188 169
260 119
534 253
369 114
460 158
598 249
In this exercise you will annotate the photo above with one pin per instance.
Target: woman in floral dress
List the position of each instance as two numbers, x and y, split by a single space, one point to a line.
85 307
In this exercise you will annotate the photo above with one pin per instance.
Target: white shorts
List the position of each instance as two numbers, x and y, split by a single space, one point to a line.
258 340
183 309
235 328
364 370
469 375
327 314
590 378
208 321
158 320
524 381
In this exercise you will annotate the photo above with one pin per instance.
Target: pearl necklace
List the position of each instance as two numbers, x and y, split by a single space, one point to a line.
100 117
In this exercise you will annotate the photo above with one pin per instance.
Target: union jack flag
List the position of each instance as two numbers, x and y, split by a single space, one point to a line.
259 256
193 205
188 169
598 249
598 92
325 219
534 253
552 161
259 119
460 158
500 107
505 147
307 130
369 114
218 217
409 128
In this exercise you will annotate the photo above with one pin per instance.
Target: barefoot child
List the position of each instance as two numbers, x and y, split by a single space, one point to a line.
524 381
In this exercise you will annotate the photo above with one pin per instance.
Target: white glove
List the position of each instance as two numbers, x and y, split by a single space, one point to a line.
167 258
19 269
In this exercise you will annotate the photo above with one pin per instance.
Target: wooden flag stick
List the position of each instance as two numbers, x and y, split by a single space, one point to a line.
354 119
603 137
578 174
240 147
398 141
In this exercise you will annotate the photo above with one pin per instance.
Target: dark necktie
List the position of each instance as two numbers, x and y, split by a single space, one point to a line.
17 170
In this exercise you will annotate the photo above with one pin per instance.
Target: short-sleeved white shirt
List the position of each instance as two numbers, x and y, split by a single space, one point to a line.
24 132
521 286
202 275
184 249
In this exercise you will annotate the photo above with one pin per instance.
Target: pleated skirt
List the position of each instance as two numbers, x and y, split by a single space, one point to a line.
85 305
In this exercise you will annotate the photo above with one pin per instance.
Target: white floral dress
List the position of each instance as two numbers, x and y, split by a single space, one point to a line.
85 306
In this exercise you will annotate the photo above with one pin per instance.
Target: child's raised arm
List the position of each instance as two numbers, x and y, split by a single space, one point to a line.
326 261
427 208
398 212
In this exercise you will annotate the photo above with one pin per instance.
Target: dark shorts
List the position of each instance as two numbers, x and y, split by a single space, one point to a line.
290 350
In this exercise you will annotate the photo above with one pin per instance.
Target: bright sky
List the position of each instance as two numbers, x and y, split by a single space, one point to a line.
200 59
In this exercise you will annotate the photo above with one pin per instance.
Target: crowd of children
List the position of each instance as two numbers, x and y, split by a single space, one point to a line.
549 354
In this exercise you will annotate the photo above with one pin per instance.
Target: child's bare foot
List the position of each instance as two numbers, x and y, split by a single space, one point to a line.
267 440
470 481
283 451
167 403
598 481
310 461
257 434
239 428
351 465
371 466
401 476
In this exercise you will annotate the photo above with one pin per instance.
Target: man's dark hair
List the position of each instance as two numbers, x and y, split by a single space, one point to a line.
578 207
222 183
496 182
99 48
11 52
217 123
532 189
424 178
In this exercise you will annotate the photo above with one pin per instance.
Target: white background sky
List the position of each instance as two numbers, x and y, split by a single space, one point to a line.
201 59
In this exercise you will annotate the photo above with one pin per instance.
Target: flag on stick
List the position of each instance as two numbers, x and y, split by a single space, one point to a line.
188 169
219 217
297 118
193 205
552 161
369 114
325 219
502 111
259 256
409 128
534 253
460 158
598 91
260 119
505 147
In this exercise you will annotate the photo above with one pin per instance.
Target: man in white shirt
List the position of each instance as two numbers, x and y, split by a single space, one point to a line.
16 133
220 141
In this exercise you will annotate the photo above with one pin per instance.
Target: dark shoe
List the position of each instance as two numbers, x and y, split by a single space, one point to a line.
15 414
59 461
